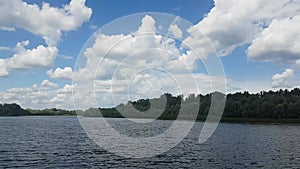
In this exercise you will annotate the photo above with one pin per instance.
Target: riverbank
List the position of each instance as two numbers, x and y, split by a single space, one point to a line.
199 119
260 121
202 118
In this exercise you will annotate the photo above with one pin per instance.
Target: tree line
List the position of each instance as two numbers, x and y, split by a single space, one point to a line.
281 104
15 110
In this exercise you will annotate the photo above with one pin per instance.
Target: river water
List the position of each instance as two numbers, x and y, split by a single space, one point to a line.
60 142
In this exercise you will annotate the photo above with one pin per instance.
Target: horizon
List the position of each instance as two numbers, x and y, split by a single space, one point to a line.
242 92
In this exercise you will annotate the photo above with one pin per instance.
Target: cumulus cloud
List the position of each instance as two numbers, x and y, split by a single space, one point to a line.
63 97
279 43
141 49
269 27
59 73
59 98
39 96
140 64
67 89
284 80
3 68
35 96
46 21
48 84
233 23
176 31
39 57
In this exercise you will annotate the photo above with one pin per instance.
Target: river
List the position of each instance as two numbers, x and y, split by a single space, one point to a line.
60 142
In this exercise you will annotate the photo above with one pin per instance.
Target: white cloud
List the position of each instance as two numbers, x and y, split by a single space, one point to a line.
65 73
3 68
271 28
279 43
233 23
48 94
147 26
40 57
228 25
25 92
150 84
39 96
59 98
47 22
140 64
48 84
140 49
186 60
252 86
67 89
175 30
66 57
284 80
62 98
7 28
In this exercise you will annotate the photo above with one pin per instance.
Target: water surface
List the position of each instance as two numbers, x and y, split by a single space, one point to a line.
60 142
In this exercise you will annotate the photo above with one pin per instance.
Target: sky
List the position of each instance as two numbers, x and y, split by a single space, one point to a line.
52 51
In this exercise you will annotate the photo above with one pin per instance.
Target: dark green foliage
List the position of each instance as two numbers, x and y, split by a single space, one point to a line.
16 110
12 110
141 105
282 104
51 112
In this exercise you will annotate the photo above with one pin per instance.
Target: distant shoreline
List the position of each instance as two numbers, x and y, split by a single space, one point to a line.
201 119
272 107
260 121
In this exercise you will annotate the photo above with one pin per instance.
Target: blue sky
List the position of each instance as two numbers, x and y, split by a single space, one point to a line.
41 40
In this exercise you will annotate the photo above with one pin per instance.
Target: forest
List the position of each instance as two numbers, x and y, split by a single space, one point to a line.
12 110
15 110
281 104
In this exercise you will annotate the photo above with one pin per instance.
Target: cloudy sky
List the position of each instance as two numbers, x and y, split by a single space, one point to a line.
42 49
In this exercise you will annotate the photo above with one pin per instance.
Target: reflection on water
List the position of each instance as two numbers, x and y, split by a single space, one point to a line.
40 142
